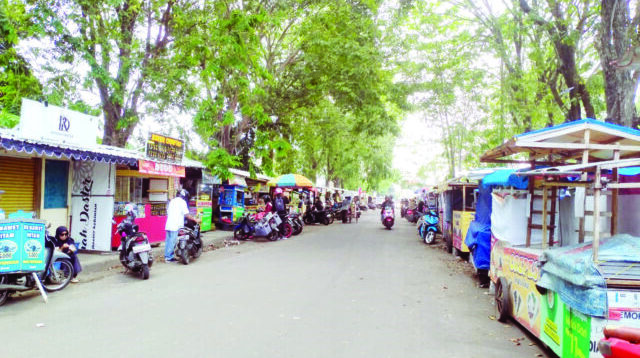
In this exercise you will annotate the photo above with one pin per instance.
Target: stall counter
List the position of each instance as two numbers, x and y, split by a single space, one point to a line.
152 225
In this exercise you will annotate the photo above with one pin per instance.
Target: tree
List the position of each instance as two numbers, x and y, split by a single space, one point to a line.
127 46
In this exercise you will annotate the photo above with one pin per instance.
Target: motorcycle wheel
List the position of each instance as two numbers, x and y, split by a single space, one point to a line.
326 220
273 236
307 220
184 256
430 237
331 218
287 230
298 228
344 219
61 278
145 272
4 295
198 252
239 235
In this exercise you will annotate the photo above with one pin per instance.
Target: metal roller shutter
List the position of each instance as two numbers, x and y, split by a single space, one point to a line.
17 179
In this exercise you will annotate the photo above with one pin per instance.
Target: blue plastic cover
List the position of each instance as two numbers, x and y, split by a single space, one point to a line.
478 237
571 273
505 177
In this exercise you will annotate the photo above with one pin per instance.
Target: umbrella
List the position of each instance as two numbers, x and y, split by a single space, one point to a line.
291 181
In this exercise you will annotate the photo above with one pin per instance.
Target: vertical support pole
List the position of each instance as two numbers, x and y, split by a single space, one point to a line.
545 195
530 219
596 215
464 198
552 219
585 160
614 195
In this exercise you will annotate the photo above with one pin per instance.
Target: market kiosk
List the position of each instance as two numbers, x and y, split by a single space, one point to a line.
457 199
551 269
231 201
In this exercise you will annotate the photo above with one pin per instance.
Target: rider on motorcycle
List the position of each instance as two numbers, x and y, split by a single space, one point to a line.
388 202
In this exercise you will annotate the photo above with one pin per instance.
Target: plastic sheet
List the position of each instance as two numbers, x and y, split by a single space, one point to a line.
478 238
571 272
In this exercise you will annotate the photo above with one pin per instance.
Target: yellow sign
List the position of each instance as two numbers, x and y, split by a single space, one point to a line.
461 222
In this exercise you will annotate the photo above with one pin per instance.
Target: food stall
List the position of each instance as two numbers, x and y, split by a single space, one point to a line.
563 258
231 201
297 187
457 198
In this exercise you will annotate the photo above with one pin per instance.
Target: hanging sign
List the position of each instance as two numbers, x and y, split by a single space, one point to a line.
164 148
153 168
61 125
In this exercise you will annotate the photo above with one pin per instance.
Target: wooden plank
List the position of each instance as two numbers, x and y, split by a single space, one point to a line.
539 227
617 283
623 185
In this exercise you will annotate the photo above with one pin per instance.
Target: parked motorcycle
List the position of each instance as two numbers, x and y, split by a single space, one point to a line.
189 243
412 215
135 250
388 217
316 217
57 274
296 223
260 224
428 226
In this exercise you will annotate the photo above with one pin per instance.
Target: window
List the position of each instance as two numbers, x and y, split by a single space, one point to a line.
56 184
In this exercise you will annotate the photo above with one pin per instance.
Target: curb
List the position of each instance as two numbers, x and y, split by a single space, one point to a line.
96 262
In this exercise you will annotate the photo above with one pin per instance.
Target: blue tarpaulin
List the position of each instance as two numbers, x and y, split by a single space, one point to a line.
571 272
506 178
478 237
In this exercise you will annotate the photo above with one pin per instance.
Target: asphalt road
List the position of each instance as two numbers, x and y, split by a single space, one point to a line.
346 290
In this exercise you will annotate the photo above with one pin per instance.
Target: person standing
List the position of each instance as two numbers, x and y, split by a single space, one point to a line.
177 210
65 243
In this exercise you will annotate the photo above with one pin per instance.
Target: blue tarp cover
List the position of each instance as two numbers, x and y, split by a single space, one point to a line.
505 177
478 237
571 273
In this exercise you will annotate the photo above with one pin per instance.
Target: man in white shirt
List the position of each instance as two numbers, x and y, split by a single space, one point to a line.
177 210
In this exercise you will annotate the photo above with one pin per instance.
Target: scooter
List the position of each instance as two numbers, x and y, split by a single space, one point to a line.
316 217
428 226
189 243
296 223
387 218
135 250
57 274
620 342
260 224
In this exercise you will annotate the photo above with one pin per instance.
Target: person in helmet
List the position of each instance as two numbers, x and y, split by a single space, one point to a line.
388 202
177 211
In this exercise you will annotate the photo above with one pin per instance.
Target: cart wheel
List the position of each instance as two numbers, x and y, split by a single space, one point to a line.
503 304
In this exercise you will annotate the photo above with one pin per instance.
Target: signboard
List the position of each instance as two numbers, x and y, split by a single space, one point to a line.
57 124
171 170
165 148
461 222
92 204
204 210
22 245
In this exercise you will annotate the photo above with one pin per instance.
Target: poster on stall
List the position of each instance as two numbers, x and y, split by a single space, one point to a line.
92 205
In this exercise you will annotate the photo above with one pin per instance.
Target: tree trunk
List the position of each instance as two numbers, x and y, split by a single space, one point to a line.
620 85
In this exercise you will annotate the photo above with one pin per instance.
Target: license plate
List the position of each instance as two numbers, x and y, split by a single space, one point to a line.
183 237
141 248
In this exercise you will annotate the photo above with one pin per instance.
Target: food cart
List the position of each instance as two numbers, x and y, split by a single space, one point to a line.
551 270
293 183
231 203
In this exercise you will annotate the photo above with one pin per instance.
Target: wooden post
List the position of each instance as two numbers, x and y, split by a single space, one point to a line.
544 216
614 196
596 215
585 160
